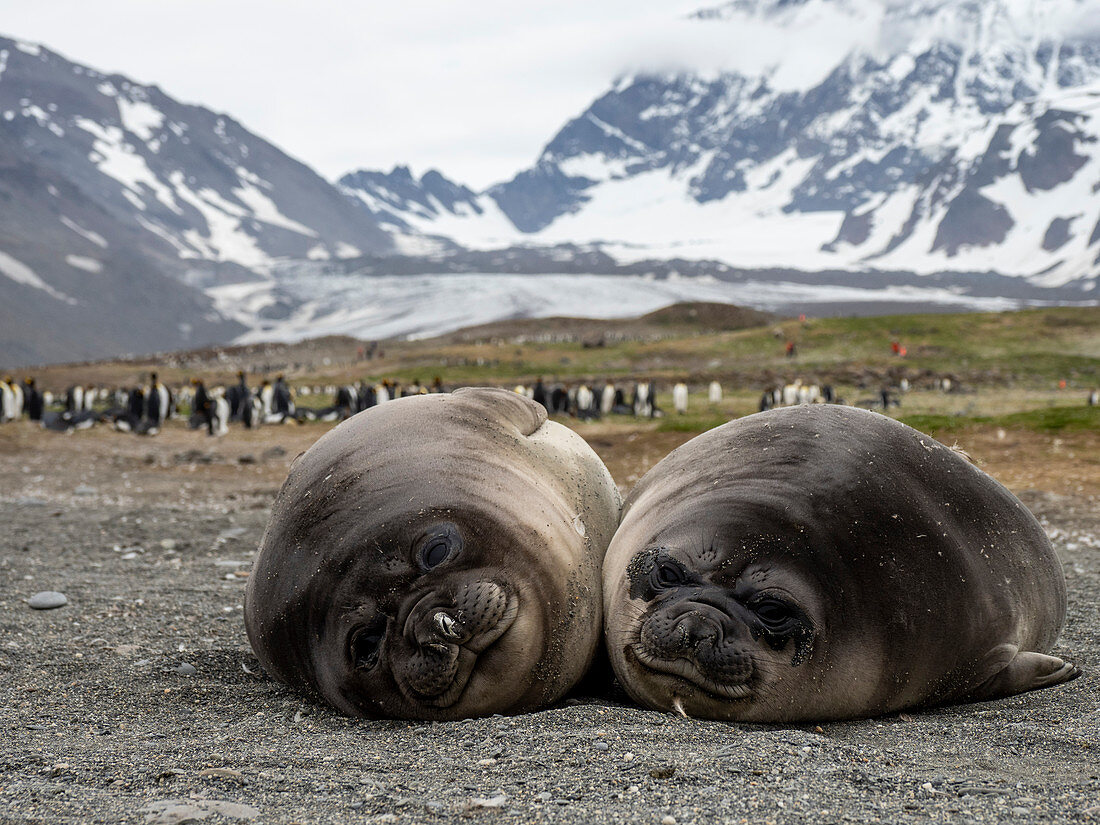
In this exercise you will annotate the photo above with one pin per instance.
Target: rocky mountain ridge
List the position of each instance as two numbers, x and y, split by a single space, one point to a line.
963 136
119 201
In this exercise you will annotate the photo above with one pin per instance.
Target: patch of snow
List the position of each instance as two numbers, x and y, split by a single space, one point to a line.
82 262
38 113
19 272
150 226
593 167
137 202
265 210
107 88
140 117
32 49
407 244
86 234
225 239
117 159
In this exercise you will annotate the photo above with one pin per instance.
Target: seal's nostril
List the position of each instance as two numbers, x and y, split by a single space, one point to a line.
446 625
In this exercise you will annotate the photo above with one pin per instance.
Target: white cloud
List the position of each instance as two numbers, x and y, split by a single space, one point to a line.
474 89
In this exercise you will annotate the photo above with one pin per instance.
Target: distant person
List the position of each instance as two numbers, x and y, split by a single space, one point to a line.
791 349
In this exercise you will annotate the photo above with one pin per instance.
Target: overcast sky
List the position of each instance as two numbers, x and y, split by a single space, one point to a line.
475 89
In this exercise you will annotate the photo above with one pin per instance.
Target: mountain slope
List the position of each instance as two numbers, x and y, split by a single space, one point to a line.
958 135
118 201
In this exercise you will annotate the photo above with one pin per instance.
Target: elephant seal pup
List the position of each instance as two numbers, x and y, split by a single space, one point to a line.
821 563
436 557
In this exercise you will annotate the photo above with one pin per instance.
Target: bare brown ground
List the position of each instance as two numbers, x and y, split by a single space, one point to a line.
181 465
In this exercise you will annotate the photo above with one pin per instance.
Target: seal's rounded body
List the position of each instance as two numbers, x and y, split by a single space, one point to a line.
823 562
436 557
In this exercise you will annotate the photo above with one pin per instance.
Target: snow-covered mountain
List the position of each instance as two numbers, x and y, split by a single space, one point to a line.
916 135
117 202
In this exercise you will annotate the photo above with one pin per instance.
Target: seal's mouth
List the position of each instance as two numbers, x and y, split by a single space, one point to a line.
450 642
686 670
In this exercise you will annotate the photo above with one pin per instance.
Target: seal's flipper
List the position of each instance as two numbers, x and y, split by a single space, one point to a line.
1023 671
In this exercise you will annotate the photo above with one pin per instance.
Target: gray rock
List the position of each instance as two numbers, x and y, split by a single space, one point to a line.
47 600
180 811
186 669
172 812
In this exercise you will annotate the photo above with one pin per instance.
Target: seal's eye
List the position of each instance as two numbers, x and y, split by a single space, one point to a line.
667 574
435 554
366 644
775 615
439 546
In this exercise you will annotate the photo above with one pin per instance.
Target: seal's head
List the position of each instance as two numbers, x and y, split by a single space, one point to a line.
715 617
436 557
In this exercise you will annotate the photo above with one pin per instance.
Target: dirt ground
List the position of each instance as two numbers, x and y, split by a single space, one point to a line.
139 701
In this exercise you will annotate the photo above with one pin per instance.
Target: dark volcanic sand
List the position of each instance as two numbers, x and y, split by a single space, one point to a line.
97 725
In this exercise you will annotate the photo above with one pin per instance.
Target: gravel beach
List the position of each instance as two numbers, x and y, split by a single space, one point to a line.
139 700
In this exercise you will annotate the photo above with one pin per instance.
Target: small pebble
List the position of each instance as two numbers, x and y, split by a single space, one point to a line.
544 797
186 669
668 820
47 600
599 745
628 757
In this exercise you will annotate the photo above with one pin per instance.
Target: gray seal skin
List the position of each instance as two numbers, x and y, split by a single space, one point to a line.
436 557
822 563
